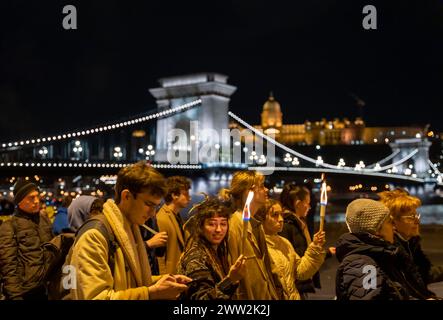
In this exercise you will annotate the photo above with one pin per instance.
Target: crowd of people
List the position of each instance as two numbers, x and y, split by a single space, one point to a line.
137 246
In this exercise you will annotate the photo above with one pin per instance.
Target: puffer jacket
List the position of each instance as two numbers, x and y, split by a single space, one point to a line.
22 258
429 273
355 252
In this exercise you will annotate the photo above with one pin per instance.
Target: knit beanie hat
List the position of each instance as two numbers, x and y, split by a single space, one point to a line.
22 188
79 211
365 215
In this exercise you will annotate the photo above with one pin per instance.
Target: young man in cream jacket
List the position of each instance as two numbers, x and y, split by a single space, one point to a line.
139 190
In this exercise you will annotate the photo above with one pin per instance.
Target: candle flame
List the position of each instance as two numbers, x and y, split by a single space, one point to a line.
246 211
323 194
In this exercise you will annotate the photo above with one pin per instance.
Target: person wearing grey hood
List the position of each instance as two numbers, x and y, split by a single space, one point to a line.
81 209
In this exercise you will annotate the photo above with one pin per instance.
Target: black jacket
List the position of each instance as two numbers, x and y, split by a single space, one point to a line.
22 258
294 233
362 254
428 272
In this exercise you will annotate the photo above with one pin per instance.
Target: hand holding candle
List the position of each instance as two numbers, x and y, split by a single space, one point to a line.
323 203
246 217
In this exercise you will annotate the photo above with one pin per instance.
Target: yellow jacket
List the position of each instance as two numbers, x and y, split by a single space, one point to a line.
289 267
166 221
257 283
132 273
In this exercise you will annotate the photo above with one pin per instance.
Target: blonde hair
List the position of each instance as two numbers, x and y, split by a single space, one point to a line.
242 181
399 202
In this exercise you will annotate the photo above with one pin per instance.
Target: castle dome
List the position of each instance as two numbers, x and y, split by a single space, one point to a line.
271 105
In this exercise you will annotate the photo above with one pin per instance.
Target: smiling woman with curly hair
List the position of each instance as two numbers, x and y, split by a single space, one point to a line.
205 259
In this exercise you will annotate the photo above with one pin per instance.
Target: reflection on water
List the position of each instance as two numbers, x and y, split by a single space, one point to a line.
430 214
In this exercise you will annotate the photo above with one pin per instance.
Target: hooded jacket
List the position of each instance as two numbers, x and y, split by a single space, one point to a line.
364 258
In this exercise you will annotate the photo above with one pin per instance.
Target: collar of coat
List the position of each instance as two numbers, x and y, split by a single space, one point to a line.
172 217
140 269
35 217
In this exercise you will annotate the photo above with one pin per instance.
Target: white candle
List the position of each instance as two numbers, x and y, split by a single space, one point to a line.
246 217
323 203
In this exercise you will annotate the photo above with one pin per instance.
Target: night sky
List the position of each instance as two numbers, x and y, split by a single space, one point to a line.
313 55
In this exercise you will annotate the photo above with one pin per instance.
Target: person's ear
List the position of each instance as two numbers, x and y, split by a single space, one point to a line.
126 195
297 202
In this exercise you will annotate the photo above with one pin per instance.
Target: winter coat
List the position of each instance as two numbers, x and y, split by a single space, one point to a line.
288 265
61 223
259 283
208 270
167 221
131 275
296 231
362 254
428 272
22 258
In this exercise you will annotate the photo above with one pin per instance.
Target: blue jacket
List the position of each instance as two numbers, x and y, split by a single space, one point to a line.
61 223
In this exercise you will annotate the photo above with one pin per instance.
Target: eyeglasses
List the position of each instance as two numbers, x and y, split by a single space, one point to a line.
149 204
415 216
390 219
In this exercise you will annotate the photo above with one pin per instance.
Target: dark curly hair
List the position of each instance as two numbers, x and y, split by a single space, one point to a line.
208 208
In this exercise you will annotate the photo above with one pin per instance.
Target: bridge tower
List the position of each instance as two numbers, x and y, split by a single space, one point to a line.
211 88
420 160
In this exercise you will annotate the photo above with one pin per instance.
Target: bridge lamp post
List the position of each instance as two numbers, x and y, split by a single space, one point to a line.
150 152
253 157
262 159
341 163
43 152
77 149
118 153
287 159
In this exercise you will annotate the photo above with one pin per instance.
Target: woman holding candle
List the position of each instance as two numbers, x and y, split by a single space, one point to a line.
205 258
259 283
286 263
296 201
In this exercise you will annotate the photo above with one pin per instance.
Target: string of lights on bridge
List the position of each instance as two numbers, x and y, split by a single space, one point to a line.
87 132
373 169
92 165
360 167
